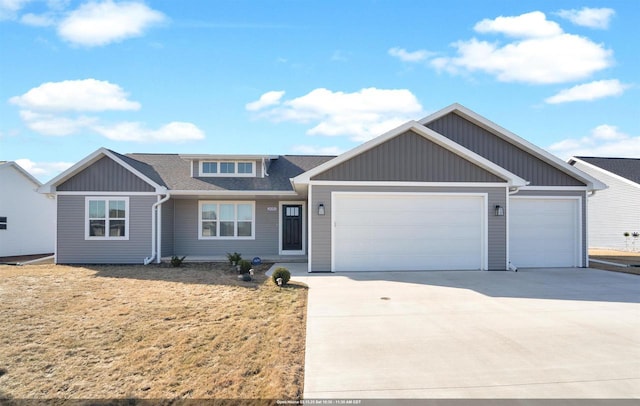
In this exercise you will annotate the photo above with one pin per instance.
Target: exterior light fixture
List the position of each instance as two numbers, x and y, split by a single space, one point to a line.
321 209
499 210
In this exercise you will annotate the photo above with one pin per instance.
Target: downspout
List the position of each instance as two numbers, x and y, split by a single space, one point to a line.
154 220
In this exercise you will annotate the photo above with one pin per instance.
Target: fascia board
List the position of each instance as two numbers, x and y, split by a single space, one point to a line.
21 170
512 138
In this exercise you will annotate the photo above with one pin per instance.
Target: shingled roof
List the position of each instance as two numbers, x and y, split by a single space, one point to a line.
628 168
174 173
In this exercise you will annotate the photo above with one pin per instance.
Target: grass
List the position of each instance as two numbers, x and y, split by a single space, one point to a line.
151 332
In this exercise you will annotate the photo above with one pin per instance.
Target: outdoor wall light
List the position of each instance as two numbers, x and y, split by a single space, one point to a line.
321 209
499 210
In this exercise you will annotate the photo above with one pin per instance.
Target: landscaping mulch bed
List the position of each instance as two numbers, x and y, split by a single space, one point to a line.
619 257
154 332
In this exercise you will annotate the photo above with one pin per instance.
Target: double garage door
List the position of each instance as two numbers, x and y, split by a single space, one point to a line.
382 232
406 231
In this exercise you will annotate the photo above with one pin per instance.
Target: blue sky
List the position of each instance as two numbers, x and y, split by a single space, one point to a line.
308 77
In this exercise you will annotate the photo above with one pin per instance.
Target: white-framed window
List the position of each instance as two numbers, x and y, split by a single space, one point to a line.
106 218
227 168
226 220
3 223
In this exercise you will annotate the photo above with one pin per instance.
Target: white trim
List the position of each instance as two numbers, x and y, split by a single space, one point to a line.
235 221
55 237
507 217
106 199
303 204
580 248
226 157
406 184
585 255
511 178
191 168
234 174
88 193
605 172
214 193
484 213
22 171
556 188
159 231
309 225
592 183
50 186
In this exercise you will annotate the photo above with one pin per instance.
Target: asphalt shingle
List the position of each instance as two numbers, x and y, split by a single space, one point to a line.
628 168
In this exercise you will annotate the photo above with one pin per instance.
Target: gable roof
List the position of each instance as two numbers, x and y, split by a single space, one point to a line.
591 182
511 178
134 168
627 168
21 170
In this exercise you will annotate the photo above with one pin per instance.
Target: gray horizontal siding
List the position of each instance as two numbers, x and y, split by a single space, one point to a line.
501 152
72 248
612 212
105 175
408 157
320 254
186 240
560 193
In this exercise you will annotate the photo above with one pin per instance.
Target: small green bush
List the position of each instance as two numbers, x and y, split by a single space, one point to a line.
281 273
234 258
244 266
176 261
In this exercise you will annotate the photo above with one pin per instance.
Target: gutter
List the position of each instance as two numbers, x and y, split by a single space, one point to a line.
154 220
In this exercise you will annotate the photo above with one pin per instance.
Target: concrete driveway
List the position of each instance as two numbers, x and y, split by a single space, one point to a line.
563 333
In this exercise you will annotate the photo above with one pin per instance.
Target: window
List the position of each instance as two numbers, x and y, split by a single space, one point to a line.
226 220
107 218
227 168
3 223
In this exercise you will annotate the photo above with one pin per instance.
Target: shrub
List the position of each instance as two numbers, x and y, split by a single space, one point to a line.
176 261
234 258
281 273
244 266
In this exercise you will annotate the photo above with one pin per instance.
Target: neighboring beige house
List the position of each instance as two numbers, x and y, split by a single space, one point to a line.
27 218
615 210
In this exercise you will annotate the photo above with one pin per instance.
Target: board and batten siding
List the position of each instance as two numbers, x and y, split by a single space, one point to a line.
186 240
409 157
72 248
612 211
583 208
501 152
320 253
105 175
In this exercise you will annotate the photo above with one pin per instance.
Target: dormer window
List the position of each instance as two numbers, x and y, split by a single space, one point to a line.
227 168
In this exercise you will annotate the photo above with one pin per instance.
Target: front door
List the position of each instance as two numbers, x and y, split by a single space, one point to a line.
292 227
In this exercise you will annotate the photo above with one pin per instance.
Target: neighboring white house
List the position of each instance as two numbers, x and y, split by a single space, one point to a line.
616 210
27 218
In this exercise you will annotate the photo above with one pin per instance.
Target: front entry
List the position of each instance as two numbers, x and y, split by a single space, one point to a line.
292 233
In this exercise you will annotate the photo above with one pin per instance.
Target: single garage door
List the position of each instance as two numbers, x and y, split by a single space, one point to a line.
544 232
407 231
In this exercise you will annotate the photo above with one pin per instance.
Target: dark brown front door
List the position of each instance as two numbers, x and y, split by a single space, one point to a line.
292 227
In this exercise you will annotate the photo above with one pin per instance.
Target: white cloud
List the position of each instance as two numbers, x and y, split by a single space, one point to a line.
605 140
266 100
100 23
316 150
529 25
406 56
56 125
361 115
43 170
38 20
589 91
10 8
76 95
536 58
598 18
133 131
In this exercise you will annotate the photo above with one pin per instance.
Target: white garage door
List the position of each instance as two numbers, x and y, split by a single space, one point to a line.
544 232
381 232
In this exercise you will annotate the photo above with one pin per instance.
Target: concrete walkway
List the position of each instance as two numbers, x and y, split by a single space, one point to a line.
561 333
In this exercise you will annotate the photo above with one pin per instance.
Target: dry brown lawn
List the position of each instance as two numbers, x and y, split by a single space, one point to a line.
621 257
152 332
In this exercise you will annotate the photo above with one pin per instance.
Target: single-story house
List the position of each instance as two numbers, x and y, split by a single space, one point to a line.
616 210
27 218
451 191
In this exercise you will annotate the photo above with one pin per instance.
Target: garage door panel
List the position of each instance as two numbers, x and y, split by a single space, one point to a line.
374 232
544 232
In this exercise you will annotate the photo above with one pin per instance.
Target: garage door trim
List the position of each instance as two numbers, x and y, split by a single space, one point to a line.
579 248
484 217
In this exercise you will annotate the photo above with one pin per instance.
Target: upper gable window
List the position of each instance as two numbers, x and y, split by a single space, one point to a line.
227 168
